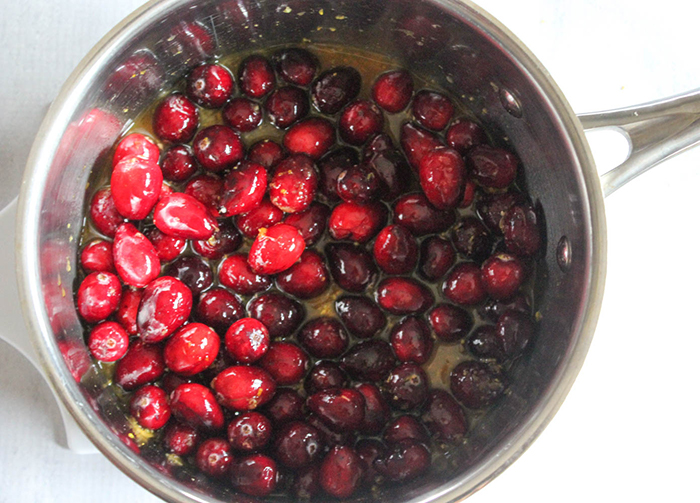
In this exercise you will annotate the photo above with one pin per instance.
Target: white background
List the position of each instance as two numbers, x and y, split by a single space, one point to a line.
629 428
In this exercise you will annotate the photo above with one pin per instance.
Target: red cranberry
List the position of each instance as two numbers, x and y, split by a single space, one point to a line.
243 388
209 86
266 153
406 386
492 167
306 483
325 375
104 214
217 148
98 296
352 267
128 309
178 164
227 239
393 90
393 173
330 168
142 364
294 184
165 305
298 444
359 184
450 323
313 137
341 472
502 275
167 247
379 144
442 175
280 314
416 142
307 278
247 340
405 428
243 115
214 457
249 432
515 329
149 406
136 184
191 349
404 296
411 341
236 274
420 217
369 360
472 239
207 190
296 66
180 439
108 341
406 461
356 222
324 338
432 110
396 250
244 189
331 438
436 258
359 121
377 411
286 362
465 285
219 308
369 450
463 134
361 315
97 257
342 409
521 230
182 216
287 105
492 208
492 309
275 249
256 76
175 119
444 417
486 343
136 145
469 193
311 223
287 405
476 384
335 88
255 475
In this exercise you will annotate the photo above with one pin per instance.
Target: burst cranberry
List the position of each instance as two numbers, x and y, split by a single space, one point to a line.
227 239
214 457
369 450
492 167
243 388
442 176
97 257
341 472
330 168
209 85
331 438
142 364
306 483
411 341
359 121
396 250
275 249
359 184
98 296
207 190
362 316
108 341
236 274
393 173
307 278
266 153
175 119
450 323
280 314
243 115
311 223
217 148
287 405
377 411
404 296
356 222
521 231
324 338
136 185
369 360
249 432
335 88
472 239
244 189
191 349
104 214
294 184
247 340
325 375
502 275
405 428
255 475
476 384
256 77
406 461
149 406
296 66
432 110
182 216
444 417
416 142
286 106
298 444
515 329
128 309
286 362
178 164
352 267
465 285
486 343
379 144
393 90
219 308
165 305
313 137
420 217
180 439
341 409
436 258
136 145
406 386
493 309
492 208
463 134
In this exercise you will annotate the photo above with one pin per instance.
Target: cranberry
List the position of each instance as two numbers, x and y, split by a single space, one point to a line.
469 193
313 137
256 76
217 148
243 388
182 216
280 314
341 472
247 340
325 375
140 73
404 296
175 119
465 285
419 34
432 110
502 275
442 176
244 189
180 439
236 274
209 86
477 384
369 360
521 230
444 417
361 315
436 258
266 153
342 409
294 184
450 323
263 216
406 386
128 309
287 105
393 173
249 432
98 296
330 168
296 66
369 450
187 43
227 239
356 222
335 88
108 341
165 305
359 121
515 329
352 267
191 349
207 190
136 145
275 249
486 343
492 167
243 115
104 214
493 309
255 475
307 278
377 411
97 257
405 428
178 164
286 362
287 405
142 364
136 184
324 338
472 239
411 341
379 144
330 437
416 142
298 444
306 483
463 134
396 250
393 90
311 223
214 457
149 406
407 460
218 308
359 184
420 217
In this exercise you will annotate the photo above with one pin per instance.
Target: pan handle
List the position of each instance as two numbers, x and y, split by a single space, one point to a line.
655 131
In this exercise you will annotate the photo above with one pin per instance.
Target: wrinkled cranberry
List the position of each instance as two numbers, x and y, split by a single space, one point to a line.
420 217
313 137
444 418
521 230
180 439
437 256
404 296
335 88
242 114
492 167
256 77
432 110
98 296
149 406
411 341
104 214
136 145
324 337
165 305
183 216
97 257
405 428
465 285
359 121
128 309
108 341
175 119
330 168
207 190
306 483
442 176
287 105
359 184
255 475
280 314
369 450
286 362
472 239
307 278
492 208
407 460
209 86
275 249
416 142
142 364
247 340
191 349
325 375
311 223
236 274
477 384
369 360
227 239
217 148
296 66
244 189
136 185
298 444
396 250
219 308
287 405
266 153
294 184
249 432
214 457
361 315
352 267
463 134
243 388
393 90
341 472
178 164
486 343
356 222
406 386
492 309
502 275
450 323
377 411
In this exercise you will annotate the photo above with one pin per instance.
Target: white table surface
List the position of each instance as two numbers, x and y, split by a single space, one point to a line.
628 430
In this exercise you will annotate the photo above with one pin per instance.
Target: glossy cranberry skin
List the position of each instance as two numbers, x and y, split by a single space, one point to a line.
296 66
227 239
420 217
416 142
442 176
97 257
393 90
180 439
492 167
313 137
294 184
521 230
444 417
405 428
287 105
493 309
108 341
287 405
492 208
379 144
341 472
135 145
209 86
255 475
406 386
306 484
393 173
136 185
472 239
244 189
359 121
335 88
178 164
325 375
98 296
330 168
214 457
342 409
307 278
465 285
352 267
357 222
411 341
331 438
377 411
217 148
476 384
128 309
403 296
362 316
279 313
219 308
286 362
142 364
515 329
298 444
206 188
165 305
104 214
191 349
407 460
247 340
486 343
463 134
263 216
243 115
236 274
502 275
437 256
324 337
175 119
182 216
311 223
249 432
256 77
266 153
369 450
359 184
149 406
275 249
243 388
450 323
469 193
195 405
432 110
369 360
396 250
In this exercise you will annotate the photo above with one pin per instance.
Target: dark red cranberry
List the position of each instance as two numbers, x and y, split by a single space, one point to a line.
243 388
515 329
330 437
217 148
392 90
207 190
128 309
104 214
180 439
502 275
165 305
135 145
236 274
411 340
324 338
298 444
379 144
432 110
396 250
492 167
256 77
486 343
469 193
465 285
463 134
521 230
227 239
97 257
178 164
444 417
492 309
311 223
296 66
342 409
377 411
294 184
405 428
136 185
175 119
420 217
404 296
263 216
193 272
142 364
406 386
476 384
335 88
437 256
393 173
98 296
247 340
313 137
416 142
330 168
255 475
286 362
369 360
307 278
219 308
191 349
183 216
266 153
108 341
287 105
149 406
369 450
306 483
195 405
287 405
359 184
442 177
357 222
450 323
167 247
407 460
209 86
275 249
244 189
359 121
280 314
341 472
249 432
214 457
242 114
472 239
352 267
362 316
325 375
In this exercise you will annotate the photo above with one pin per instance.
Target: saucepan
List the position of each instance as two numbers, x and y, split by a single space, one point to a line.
455 43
